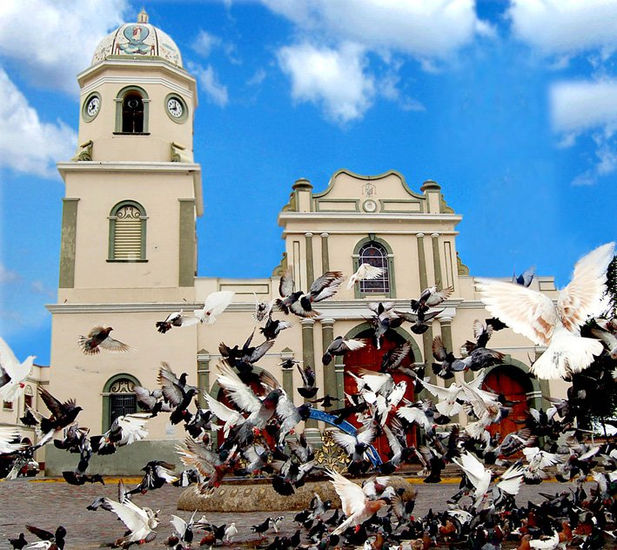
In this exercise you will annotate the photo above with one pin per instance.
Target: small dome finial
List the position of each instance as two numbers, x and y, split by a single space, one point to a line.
143 16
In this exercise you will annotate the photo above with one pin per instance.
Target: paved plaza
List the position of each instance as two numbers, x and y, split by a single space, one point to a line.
47 504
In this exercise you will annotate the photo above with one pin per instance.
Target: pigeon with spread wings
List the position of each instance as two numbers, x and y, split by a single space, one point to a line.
364 272
12 373
556 326
299 302
98 338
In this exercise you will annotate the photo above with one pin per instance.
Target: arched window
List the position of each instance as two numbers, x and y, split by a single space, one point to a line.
132 111
119 398
132 114
375 254
127 232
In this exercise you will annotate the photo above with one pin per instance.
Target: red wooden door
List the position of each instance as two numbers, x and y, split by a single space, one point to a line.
369 358
509 382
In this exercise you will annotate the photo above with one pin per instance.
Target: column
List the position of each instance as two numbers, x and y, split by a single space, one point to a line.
339 369
310 272
325 257
288 373
311 431
203 376
67 243
427 337
436 259
422 262
329 371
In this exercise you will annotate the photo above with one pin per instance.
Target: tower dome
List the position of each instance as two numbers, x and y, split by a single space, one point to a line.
136 40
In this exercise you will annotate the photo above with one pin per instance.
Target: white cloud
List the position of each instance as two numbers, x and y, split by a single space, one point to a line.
257 78
29 145
8 275
205 42
416 27
562 26
580 105
208 80
587 107
50 42
334 79
329 62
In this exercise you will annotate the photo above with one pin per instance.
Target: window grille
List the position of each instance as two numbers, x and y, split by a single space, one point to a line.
376 255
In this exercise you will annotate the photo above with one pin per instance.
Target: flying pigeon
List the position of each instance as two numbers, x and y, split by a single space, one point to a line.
556 326
99 338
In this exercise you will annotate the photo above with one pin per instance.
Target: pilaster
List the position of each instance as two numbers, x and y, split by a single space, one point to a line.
310 270
325 255
311 430
67 243
203 376
436 259
187 246
329 371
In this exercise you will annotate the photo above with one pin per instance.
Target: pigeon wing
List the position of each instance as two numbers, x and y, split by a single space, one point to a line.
582 298
41 533
348 442
352 496
111 344
54 406
238 391
286 284
525 311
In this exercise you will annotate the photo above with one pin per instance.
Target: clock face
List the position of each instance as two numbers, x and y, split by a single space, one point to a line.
175 107
93 106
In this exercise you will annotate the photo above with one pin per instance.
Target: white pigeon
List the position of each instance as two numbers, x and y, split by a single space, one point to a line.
365 271
229 416
556 326
354 502
215 304
230 533
141 522
476 473
12 373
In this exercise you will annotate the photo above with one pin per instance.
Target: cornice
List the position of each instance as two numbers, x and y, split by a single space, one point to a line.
358 307
128 166
139 80
390 216
142 167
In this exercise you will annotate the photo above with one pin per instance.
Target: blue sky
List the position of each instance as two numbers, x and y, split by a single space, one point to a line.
510 105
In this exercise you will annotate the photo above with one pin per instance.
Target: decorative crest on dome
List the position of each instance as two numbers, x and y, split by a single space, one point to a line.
142 17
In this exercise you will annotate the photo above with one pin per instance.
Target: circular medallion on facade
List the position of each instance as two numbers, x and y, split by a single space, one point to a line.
369 205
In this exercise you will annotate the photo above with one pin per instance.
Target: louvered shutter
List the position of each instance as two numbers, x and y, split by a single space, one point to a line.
128 234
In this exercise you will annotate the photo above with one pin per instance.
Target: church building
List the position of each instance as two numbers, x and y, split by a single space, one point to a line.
129 258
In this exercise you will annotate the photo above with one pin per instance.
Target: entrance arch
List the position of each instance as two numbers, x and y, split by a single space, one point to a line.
514 383
369 358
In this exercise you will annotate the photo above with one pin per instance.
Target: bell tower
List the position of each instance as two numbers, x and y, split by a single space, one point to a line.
128 252
133 191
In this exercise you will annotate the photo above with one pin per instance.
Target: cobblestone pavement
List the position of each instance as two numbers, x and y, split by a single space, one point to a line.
48 504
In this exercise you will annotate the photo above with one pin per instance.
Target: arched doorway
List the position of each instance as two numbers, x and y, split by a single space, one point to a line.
119 398
369 358
515 385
